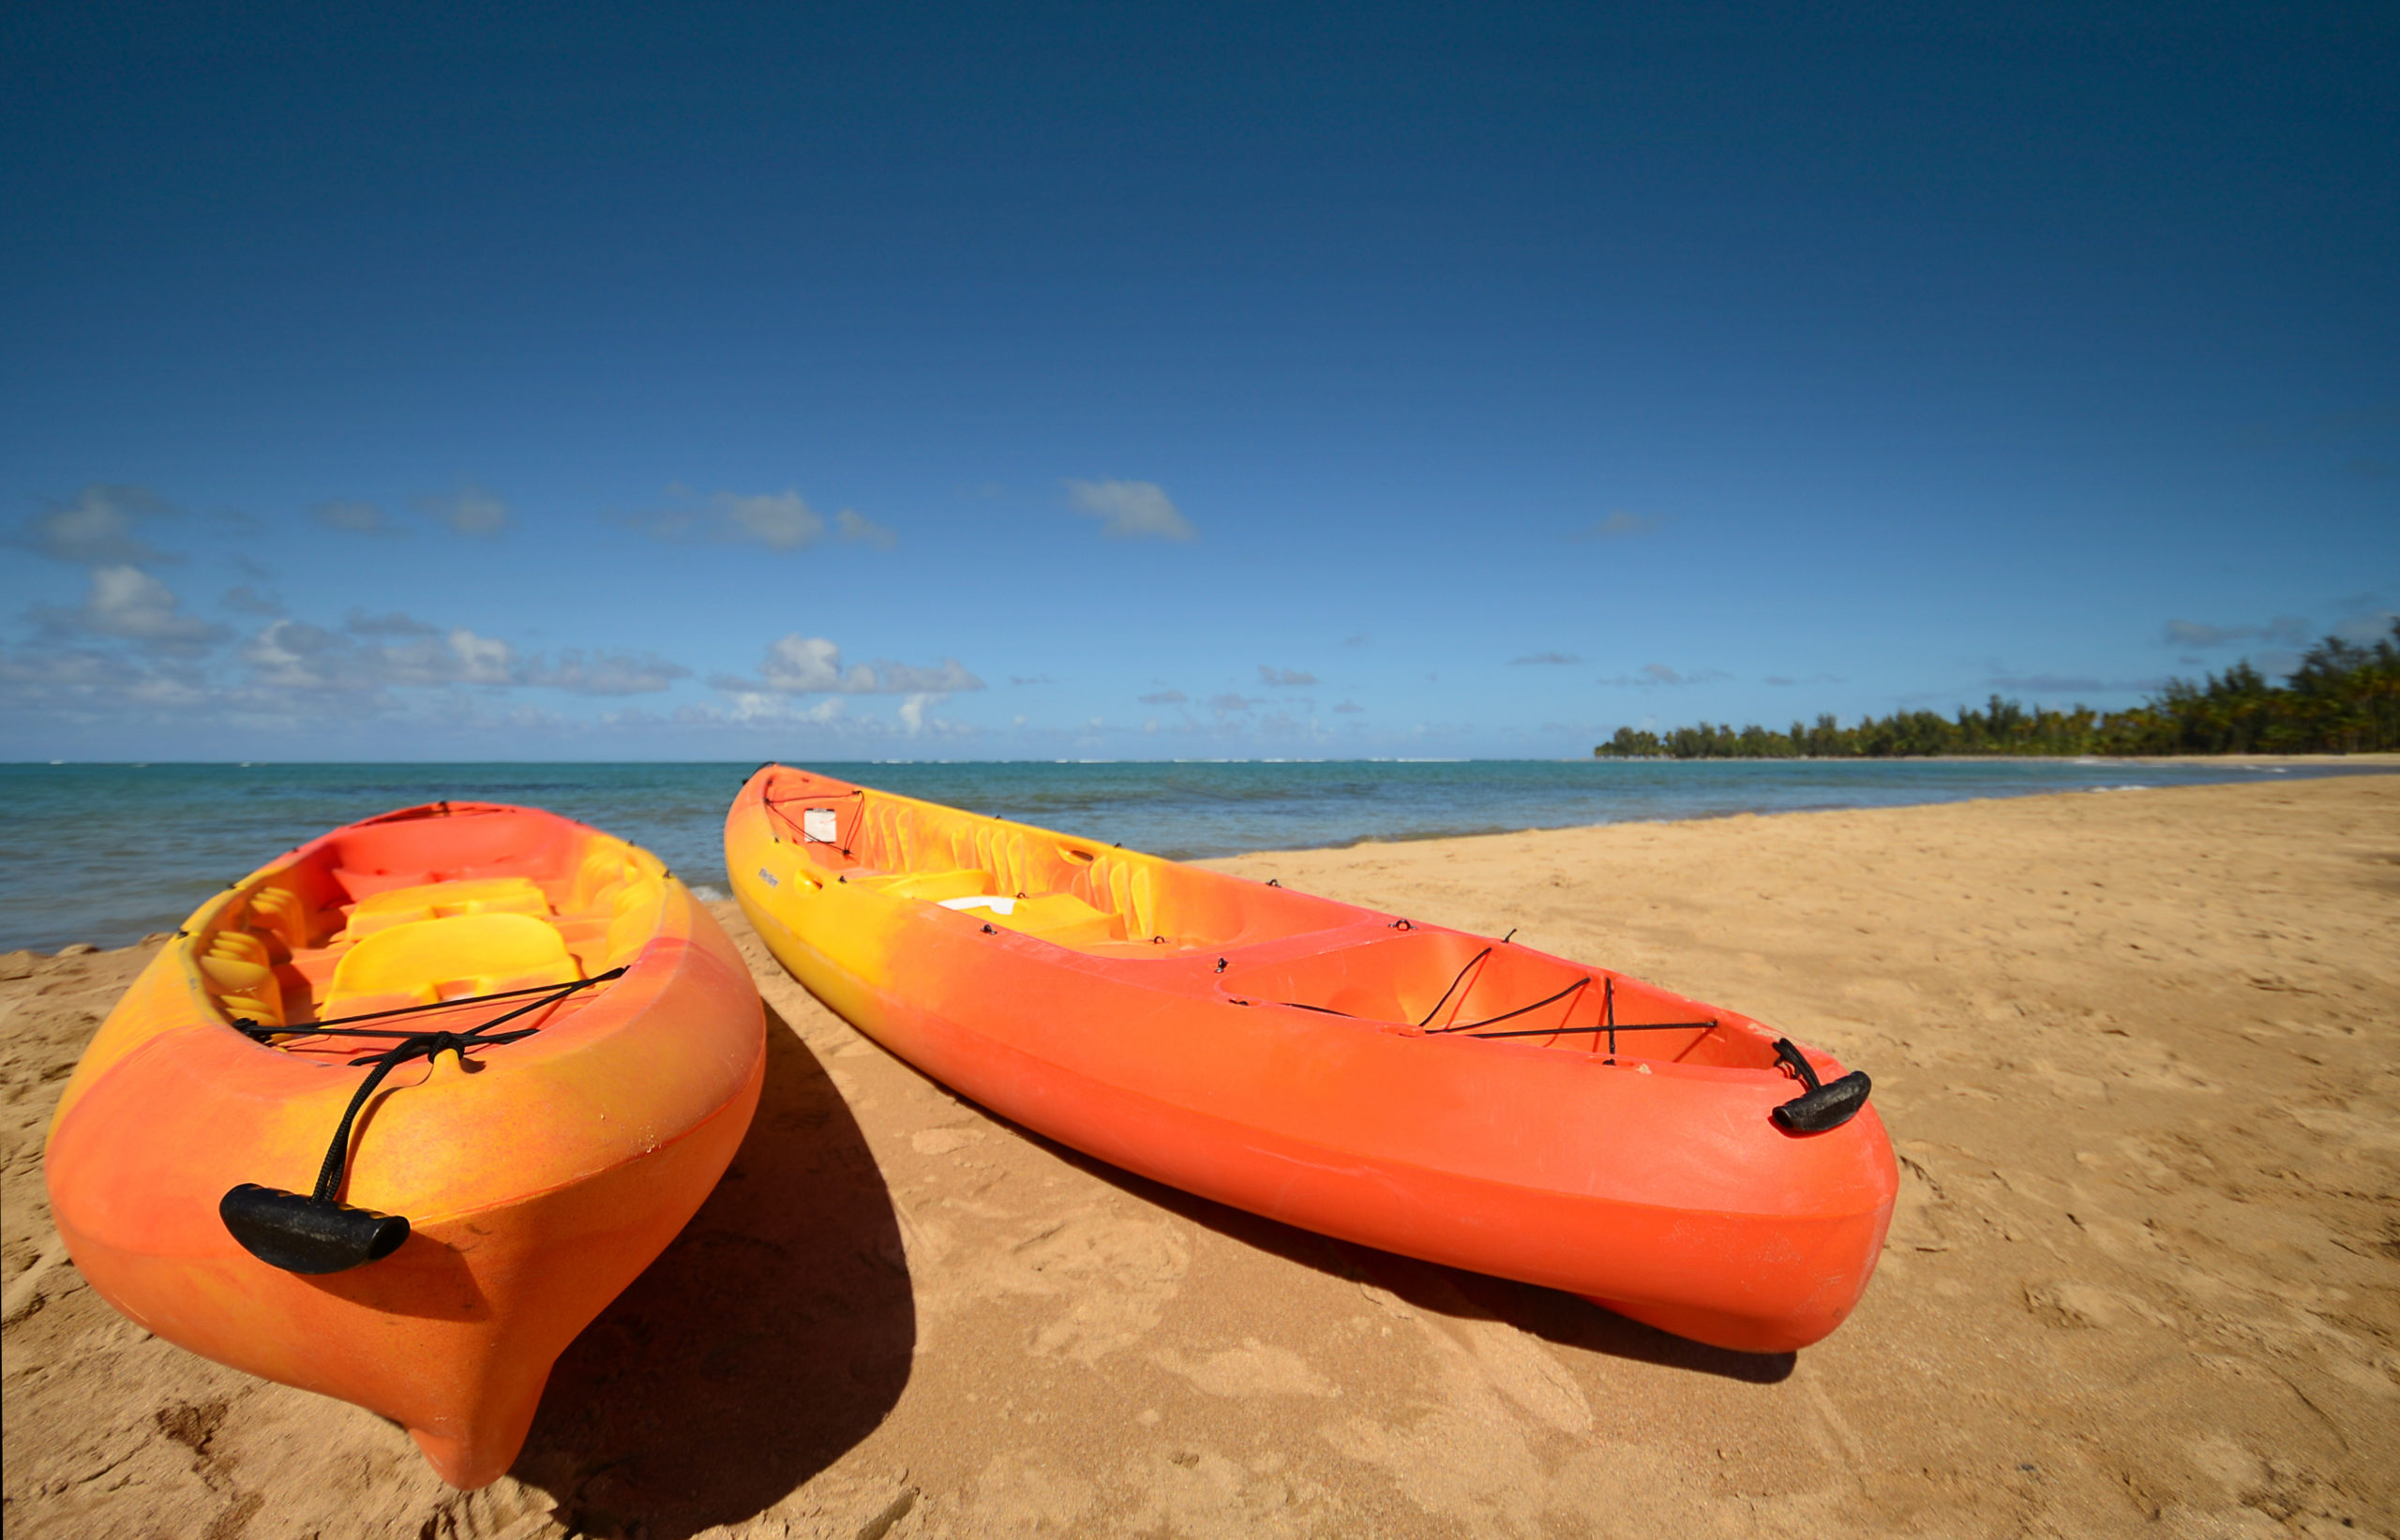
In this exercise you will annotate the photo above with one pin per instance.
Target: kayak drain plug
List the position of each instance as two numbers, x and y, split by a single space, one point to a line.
302 1234
1823 1106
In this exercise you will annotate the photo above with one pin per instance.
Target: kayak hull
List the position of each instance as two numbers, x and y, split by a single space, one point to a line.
539 1177
1658 1185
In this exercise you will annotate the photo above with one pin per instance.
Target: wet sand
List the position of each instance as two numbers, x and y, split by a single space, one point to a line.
2137 1051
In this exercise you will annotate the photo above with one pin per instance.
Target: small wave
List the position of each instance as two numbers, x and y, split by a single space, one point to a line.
708 894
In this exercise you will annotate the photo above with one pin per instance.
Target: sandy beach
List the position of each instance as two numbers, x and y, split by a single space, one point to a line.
2137 1051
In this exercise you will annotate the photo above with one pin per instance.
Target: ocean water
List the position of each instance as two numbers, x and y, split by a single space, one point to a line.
107 853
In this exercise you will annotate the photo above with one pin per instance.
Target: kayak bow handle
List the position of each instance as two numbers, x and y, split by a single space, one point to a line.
1821 1106
305 1234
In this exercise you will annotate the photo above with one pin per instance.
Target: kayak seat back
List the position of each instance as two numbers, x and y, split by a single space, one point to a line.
424 960
440 900
941 887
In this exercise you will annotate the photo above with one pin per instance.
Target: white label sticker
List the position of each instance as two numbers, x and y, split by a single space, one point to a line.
820 823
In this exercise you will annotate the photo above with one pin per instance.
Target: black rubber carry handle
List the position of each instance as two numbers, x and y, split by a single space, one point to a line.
1827 1106
302 1234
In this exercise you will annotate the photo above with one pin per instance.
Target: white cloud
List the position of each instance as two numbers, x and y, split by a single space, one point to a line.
751 706
98 526
356 517
482 660
468 510
808 666
948 677
84 681
802 666
295 655
606 673
1284 677
129 652
857 526
759 709
131 605
247 600
1561 658
780 521
1165 697
1130 509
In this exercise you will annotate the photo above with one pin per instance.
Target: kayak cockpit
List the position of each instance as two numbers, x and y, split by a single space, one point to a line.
347 929
1070 892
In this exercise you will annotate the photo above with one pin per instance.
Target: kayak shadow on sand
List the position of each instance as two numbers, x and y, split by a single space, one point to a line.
773 1334
1553 1316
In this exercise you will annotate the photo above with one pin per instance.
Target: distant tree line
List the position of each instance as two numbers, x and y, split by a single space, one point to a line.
2343 699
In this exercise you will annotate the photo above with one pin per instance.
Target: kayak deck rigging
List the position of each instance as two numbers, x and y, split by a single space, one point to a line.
317 1233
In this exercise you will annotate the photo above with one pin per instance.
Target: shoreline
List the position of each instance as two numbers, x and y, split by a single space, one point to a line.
2134 1055
99 900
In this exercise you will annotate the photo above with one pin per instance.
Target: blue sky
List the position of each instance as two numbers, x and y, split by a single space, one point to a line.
1041 383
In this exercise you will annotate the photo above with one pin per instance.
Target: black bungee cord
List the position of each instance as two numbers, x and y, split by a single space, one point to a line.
317 1233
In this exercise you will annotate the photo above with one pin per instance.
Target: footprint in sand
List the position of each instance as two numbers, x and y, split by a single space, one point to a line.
1253 1369
943 1141
1116 1272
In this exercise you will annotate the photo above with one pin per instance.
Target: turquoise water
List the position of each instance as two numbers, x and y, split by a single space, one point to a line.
107 852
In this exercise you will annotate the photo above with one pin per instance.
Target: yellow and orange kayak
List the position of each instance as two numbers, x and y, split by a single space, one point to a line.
1464 1100
396 1116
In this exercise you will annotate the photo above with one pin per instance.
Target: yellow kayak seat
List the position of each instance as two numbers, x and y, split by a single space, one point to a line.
440 900
424 960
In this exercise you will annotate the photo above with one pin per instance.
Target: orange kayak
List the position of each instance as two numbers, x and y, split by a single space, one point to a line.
1422 1090
396 1116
